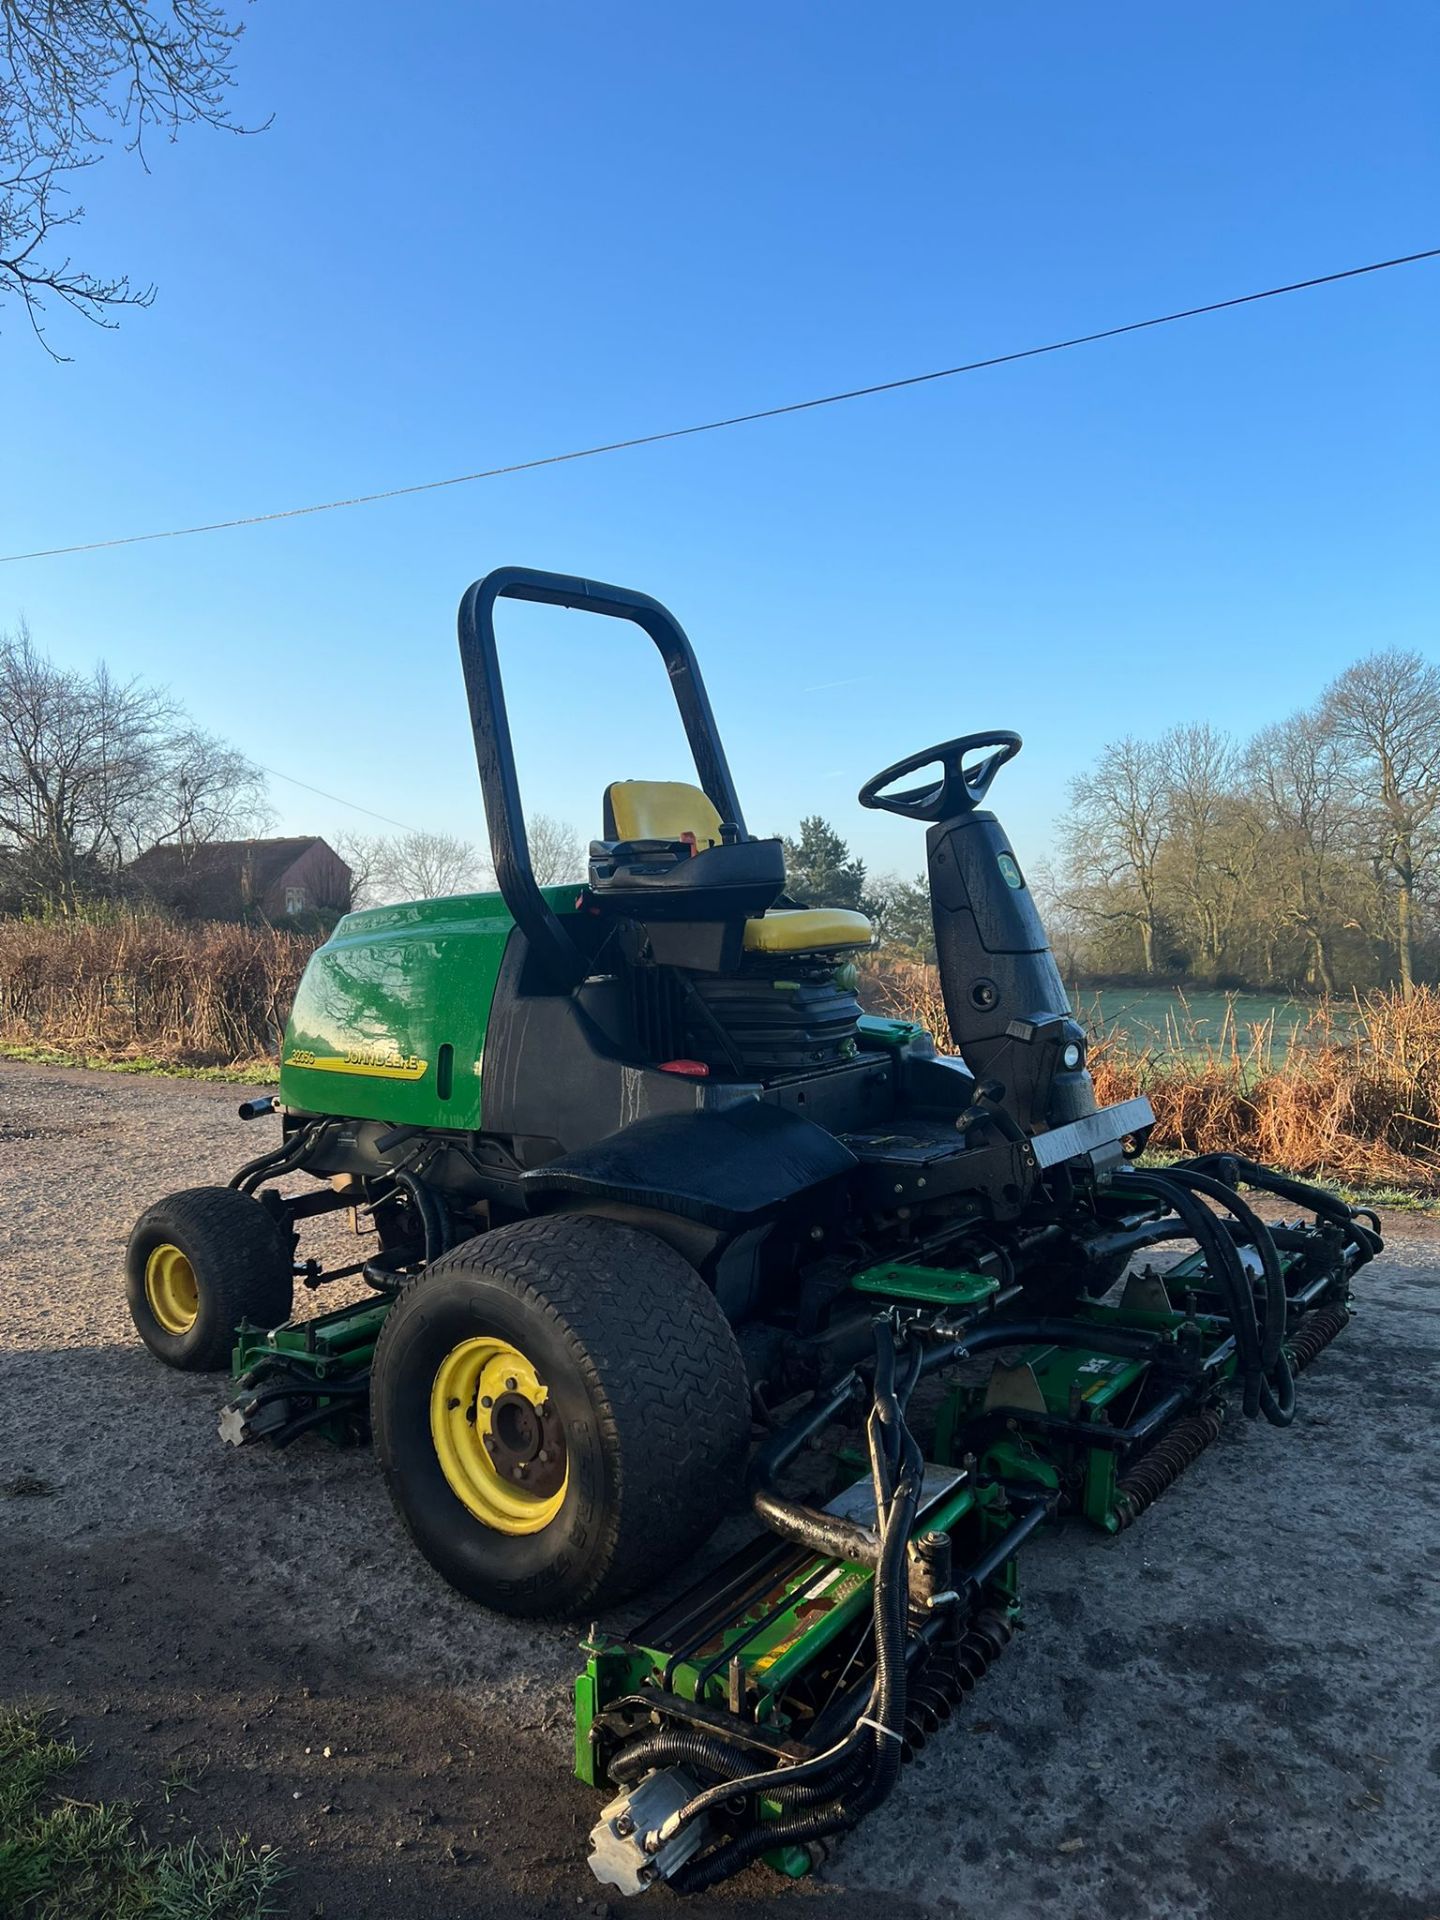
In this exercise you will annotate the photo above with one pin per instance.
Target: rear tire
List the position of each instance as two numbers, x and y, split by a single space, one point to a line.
200 1262
589 1333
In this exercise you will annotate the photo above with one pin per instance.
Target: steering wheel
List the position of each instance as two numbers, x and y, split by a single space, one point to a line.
958 790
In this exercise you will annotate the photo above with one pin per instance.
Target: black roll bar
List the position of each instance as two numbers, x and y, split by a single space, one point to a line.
495 752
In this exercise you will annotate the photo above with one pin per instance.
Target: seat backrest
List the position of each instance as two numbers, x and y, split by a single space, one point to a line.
660 810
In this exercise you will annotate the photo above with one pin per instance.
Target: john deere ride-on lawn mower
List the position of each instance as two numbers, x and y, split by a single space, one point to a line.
643 1184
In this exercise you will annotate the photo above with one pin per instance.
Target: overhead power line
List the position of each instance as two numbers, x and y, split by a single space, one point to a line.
353 805
734 419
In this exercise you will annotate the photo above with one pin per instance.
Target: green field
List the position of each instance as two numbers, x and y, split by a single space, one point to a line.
1166 1016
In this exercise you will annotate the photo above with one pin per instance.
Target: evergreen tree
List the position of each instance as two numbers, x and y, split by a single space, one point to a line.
905 920
820 871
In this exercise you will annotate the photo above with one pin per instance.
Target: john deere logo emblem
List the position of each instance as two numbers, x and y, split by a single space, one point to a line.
1010 873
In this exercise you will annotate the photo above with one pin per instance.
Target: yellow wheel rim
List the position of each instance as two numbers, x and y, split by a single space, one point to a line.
498 1440
170 1289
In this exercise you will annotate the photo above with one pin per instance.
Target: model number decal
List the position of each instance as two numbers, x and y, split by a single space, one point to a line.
378 1062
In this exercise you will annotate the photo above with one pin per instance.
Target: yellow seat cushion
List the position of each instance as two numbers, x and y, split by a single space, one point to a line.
660 810
669 809
807 929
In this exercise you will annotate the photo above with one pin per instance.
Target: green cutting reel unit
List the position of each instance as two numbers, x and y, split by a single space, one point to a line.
652 1212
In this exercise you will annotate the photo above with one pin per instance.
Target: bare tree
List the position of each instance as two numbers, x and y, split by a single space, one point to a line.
363 853
423 866
1302 784
556 855
73 75
203 790
1386 710
93 769
1113 837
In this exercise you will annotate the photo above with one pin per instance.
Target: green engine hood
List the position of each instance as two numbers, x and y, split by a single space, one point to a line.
390 1017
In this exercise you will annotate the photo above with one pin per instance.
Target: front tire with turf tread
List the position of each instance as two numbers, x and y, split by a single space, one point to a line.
646 1376
243 1268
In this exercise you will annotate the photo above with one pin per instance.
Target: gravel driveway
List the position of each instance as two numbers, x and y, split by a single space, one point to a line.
1230 1712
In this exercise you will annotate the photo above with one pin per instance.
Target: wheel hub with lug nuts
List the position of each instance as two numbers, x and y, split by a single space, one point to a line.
499 1441
526 1443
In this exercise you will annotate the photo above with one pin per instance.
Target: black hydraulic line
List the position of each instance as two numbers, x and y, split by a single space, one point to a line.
302 1423
1225 1266
429 1209
1277 1381
289 1157
782 1447
1317 1200
701 1717
336 1389
1125 1342
838 1787
677 1746
1095 1433
1041 1509
1254 1231
259 1164
382 1279
811 1528
697 1876
840 1539
847 1803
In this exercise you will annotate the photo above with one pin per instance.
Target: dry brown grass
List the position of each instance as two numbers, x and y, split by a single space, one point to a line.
1353 1098
206 994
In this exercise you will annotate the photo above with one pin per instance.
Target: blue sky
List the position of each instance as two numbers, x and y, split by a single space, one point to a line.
480 234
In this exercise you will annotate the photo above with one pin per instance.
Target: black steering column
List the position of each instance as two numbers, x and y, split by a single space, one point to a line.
1007 1006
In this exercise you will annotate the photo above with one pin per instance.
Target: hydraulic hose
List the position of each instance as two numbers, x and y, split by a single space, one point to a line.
288 1157
1224 1263
851 1784
679 1746
1268 1382
1317 1200
428 1209
1277 1377
263 1164
697 1876
1042 1331
782 1447
1257 1233
809 1527
302 1423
